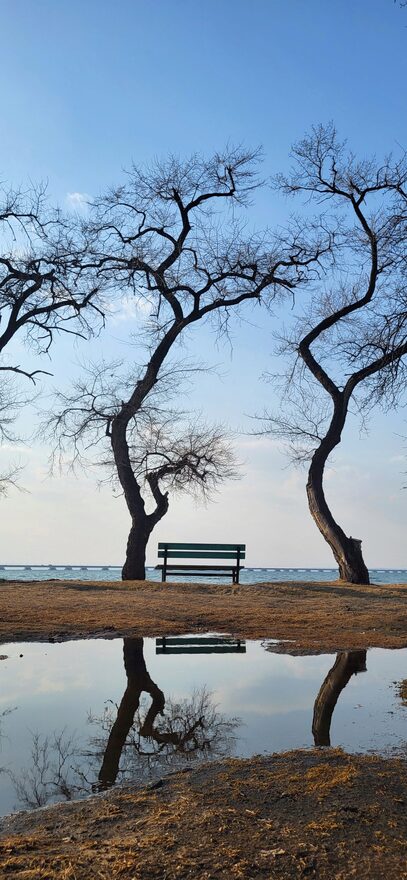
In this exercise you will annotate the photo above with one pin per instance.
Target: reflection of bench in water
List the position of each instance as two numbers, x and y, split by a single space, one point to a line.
199 645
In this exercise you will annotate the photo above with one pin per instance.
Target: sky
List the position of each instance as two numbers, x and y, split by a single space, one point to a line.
88 88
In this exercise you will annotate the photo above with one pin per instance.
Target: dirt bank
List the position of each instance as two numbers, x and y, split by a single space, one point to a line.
318 617
317 814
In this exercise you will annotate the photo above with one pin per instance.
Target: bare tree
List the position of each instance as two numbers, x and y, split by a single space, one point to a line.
11 402
44 285
169 451
350 342
44 289
171 236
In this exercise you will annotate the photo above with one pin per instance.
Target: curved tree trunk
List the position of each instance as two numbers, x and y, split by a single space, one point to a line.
347 663
138 680
142 523
134 568
346 550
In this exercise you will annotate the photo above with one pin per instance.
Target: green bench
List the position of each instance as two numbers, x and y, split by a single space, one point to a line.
233 552
199 645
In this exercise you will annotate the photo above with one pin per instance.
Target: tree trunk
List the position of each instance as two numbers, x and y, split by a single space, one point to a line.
347 663
138 680
134 568
142 523
346 550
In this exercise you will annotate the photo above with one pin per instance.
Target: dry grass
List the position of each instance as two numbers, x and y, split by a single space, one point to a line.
315 814
317 616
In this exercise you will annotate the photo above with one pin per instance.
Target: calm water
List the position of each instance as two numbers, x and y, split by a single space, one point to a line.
247 576
79 716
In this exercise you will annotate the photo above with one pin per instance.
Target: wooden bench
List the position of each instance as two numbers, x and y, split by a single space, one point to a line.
234 552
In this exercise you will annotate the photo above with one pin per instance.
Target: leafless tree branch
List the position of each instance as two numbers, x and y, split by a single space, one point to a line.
172 235
350 342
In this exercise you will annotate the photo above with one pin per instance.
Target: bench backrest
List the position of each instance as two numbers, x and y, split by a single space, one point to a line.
201 551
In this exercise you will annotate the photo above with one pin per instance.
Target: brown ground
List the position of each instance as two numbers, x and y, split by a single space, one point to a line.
320 814
319 617
317 814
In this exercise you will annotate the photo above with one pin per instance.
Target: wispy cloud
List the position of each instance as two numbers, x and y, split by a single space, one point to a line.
77 201
257 442
132 307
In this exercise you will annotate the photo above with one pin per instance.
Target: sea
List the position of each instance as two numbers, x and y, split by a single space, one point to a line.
254 575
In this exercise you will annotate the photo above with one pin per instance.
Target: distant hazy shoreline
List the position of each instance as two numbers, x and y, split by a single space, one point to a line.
248 575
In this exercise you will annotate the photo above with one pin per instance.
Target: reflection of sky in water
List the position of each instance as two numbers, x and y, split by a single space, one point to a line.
55 686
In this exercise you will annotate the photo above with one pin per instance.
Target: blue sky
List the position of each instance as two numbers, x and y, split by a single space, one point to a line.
88 87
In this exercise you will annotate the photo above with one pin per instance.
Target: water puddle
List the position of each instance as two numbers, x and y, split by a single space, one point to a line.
77 717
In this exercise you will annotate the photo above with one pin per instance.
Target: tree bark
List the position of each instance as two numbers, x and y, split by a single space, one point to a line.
347 663
346 550
134 568
142 523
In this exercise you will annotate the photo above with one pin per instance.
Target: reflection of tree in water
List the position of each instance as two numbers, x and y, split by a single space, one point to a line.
3 714
167 734
55 771
347 663
132 741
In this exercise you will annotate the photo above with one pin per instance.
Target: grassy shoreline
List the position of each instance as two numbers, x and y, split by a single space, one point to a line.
321 617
